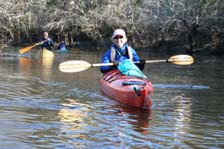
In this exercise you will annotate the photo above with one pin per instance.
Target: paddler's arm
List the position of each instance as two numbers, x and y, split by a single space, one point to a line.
50 43
106 59
136 58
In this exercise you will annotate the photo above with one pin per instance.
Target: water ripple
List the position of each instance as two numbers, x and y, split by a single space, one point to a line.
181 86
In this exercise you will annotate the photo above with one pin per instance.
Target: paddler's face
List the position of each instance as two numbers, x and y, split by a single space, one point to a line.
119 41
45 36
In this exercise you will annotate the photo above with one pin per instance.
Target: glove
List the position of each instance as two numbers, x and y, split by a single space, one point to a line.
142 62
40 43
116 63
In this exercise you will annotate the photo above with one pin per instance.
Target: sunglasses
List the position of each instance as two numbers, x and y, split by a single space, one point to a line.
118 37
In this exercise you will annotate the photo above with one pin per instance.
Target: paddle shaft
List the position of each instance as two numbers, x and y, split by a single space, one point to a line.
111 64
102 64
156 61
147 61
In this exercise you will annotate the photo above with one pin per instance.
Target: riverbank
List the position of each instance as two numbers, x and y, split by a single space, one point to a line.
208 45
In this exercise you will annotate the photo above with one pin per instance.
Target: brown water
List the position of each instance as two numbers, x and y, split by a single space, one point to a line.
41 107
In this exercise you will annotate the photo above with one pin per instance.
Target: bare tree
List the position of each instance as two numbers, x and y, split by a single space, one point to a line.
146 21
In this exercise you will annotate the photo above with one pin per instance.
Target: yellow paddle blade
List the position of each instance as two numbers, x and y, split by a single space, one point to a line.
26 49
181 59
74 66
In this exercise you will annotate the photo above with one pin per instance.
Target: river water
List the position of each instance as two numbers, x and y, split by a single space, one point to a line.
41 107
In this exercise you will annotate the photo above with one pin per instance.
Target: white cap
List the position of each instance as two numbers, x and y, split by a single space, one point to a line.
119 32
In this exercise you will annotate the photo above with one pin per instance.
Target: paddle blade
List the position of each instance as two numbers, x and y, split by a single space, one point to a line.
26 49
74 66
181 59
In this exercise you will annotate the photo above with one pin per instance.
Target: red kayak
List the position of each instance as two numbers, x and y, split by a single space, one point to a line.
133 91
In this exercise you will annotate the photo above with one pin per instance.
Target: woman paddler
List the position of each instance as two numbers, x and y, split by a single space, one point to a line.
119 51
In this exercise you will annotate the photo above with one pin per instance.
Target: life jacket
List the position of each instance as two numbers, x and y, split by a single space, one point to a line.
128 53
47 43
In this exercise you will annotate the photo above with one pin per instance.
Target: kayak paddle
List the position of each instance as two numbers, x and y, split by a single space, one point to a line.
26 49
79 65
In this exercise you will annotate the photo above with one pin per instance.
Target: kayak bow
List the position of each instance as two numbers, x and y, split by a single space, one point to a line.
132 91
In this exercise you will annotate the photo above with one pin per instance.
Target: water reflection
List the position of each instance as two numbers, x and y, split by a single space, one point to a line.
73 113
78 117
25 65
182 116
46 59
43 63
137 118
75 121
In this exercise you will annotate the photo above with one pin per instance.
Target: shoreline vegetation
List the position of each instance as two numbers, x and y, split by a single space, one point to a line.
195 26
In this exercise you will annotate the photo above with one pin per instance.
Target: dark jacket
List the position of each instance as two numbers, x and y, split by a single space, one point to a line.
47 43
62 45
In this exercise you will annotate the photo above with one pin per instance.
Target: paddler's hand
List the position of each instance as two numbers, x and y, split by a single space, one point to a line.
40 43
142 62
116 63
